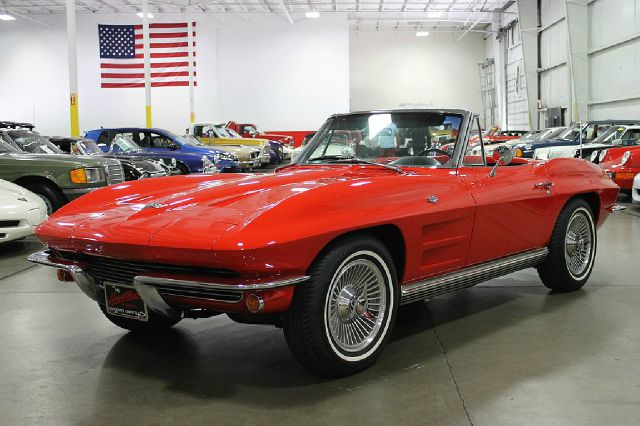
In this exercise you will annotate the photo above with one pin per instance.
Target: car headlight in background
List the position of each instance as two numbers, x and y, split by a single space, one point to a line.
594 156
603 153
206 163
625 158
86 175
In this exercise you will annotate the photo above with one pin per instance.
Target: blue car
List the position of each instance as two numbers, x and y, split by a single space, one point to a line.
570 136
189 154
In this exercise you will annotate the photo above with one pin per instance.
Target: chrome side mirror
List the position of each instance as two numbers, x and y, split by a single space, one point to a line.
502 155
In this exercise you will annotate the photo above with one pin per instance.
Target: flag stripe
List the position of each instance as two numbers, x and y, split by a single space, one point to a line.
164 35
132 85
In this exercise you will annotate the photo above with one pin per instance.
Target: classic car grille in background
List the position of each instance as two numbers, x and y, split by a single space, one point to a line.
115 173
9 223
122 272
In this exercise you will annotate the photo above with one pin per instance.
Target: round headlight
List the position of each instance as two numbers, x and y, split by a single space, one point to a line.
625 158
593 157
603 153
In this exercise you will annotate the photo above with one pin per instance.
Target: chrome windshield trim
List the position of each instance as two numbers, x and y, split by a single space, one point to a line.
147 280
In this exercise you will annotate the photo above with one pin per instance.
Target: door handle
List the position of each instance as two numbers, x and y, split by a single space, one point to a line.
544 185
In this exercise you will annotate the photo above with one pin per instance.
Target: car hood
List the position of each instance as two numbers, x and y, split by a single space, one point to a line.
201 208
57 159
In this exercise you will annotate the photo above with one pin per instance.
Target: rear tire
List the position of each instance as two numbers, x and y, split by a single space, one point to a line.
572 250
340 320
155 323
52 197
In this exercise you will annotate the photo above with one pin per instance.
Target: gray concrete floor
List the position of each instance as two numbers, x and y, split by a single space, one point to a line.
506 352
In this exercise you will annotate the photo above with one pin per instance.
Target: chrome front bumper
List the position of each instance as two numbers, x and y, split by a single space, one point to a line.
148 286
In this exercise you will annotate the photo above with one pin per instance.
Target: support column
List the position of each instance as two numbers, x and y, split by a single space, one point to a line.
577 24
528 20
73 68
147 62
501 78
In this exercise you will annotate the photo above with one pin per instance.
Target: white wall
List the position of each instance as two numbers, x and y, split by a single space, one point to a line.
394 69
263 76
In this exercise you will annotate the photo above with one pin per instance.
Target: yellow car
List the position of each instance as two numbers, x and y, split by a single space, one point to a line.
218 135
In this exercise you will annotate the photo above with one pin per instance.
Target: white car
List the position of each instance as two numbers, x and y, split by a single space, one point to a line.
635 190
20 211
613 136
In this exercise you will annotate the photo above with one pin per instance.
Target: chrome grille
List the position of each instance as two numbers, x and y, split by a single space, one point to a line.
115 173
230 296
122 272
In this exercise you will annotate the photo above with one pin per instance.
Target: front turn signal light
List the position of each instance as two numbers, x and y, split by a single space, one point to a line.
254 303
78 175
518 152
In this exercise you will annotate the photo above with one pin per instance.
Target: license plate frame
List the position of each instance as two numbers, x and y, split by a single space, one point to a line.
124 301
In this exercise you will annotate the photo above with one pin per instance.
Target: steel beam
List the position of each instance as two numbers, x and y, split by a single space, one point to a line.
527 18
577 24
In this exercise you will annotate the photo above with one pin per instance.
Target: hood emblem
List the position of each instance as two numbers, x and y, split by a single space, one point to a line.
432 199
23 199
153 206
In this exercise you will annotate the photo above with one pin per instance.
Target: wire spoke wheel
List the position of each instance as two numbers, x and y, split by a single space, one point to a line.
356 305
578 244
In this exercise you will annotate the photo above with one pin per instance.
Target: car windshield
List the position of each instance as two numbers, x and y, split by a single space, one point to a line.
570 133
6 147
190 140
233 133
122 144
86 147
549 134
423 138
611 134
223 131
32 142
186 140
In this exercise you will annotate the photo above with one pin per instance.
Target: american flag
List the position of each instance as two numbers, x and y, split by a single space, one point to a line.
122 55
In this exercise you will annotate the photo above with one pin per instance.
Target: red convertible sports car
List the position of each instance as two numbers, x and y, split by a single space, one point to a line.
622 166
328 247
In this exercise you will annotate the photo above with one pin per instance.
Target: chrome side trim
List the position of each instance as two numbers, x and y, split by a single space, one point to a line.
211 286
471 276
84 281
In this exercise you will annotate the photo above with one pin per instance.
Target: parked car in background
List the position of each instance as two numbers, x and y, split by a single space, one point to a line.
191 156
134 167
635 191
247 130
282 151
615 137
56 178
215 134
622 166
570 136
248 156
20 211
388 234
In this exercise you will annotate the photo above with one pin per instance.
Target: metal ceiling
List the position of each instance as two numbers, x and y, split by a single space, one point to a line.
363 15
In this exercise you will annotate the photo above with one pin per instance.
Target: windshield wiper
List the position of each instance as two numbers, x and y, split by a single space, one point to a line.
353 160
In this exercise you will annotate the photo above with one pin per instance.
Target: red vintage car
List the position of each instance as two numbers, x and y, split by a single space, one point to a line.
622 165
247 130
328 247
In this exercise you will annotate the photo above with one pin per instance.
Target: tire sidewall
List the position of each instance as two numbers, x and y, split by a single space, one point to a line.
389 287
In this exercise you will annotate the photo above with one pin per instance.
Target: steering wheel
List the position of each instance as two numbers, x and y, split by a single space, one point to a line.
433 152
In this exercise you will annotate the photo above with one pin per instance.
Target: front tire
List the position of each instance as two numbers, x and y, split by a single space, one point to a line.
572 250
53 198
340 320
154 324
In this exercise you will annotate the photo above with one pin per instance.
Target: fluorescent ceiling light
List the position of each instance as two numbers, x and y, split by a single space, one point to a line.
422 33
6 17
313 14
434 14
149 15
